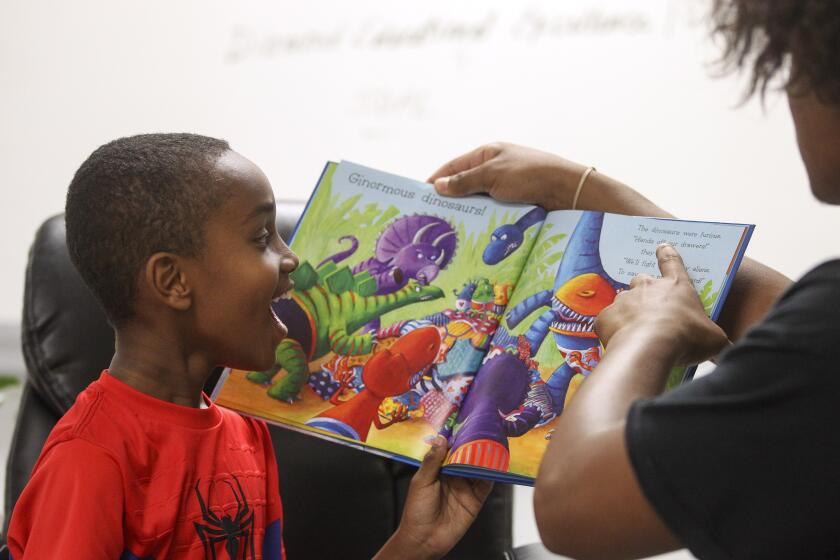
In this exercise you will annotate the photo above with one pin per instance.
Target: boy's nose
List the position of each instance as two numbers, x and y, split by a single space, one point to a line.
289 263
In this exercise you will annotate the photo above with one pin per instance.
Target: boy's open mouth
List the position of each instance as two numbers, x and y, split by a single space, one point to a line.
281 328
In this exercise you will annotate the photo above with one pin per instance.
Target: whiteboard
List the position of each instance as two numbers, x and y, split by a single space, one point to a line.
403 86
624 85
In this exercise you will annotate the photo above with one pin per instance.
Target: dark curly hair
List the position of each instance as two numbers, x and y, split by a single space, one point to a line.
134 197
767 36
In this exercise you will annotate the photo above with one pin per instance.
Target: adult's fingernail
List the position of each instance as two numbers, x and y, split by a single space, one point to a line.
442 184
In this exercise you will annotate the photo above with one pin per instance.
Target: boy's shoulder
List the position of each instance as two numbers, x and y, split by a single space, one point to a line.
85 420
131 426
119 450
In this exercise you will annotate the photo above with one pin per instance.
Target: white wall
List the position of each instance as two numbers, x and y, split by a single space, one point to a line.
624 85
404 86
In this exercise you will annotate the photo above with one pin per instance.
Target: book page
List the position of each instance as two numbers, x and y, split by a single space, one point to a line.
546 345
397 296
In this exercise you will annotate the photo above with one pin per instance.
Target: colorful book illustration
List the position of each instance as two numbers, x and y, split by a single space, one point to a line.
415 314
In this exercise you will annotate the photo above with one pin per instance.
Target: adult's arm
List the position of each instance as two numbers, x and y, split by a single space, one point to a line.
736 463
588 502
518 174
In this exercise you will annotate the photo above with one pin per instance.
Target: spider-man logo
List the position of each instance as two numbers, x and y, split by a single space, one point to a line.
236 532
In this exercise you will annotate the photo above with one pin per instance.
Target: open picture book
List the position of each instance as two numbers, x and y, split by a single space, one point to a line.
415 314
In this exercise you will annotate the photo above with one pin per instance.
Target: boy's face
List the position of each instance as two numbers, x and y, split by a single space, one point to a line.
243 267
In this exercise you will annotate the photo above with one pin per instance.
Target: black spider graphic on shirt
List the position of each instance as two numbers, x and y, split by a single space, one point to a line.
237 532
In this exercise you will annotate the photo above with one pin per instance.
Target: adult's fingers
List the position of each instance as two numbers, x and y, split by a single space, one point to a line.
464 183
640 279
460 163
670 262
468 161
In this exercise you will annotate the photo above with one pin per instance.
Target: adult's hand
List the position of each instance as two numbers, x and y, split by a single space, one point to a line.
511 173
665 312
587 501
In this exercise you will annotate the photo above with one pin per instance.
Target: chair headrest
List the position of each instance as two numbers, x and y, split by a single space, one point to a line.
66 339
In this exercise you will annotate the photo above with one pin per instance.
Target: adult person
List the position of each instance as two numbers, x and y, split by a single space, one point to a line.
743 462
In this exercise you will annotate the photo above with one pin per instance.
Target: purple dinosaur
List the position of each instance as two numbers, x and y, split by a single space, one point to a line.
417 246
492 412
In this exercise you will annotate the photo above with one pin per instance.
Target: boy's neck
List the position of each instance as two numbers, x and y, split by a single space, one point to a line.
156 364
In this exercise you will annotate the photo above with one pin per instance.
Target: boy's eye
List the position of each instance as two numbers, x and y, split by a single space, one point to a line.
263 238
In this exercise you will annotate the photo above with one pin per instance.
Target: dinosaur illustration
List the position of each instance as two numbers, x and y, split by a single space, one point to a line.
493 412
466 332
582 288
417 246
507 238
386 374
326 308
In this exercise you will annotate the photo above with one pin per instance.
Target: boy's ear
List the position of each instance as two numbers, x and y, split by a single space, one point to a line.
167 281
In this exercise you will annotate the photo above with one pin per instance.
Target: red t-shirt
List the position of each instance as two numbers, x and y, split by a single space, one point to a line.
124 475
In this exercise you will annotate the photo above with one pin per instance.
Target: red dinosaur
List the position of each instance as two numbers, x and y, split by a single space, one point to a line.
386 374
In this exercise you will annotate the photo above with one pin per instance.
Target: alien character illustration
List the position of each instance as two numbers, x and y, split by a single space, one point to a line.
581 290
386 374
479 295
417 246
467 331
464 295
326 308
493 412
507 238
236 532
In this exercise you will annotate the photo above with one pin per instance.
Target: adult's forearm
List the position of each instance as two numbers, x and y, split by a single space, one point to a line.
756 287
587 503
634 366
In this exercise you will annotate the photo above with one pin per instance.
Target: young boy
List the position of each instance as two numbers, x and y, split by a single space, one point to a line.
175 235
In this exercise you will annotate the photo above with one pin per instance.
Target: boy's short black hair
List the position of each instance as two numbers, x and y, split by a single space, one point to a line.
134 197
765 35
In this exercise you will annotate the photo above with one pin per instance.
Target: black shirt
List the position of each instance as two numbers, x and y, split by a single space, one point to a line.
745 461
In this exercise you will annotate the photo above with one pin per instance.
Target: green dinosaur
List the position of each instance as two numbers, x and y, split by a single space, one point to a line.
326 308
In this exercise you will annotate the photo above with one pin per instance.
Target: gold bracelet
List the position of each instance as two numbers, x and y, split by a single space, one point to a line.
583 177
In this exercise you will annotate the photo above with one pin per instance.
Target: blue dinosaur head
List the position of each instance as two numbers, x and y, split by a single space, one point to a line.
582 288
582 252
504 240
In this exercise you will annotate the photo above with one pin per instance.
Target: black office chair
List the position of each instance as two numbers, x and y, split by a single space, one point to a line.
338 502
